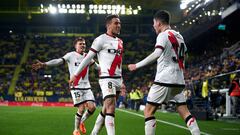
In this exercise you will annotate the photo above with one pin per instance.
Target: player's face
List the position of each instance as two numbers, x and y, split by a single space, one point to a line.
156 26
115 26
80 46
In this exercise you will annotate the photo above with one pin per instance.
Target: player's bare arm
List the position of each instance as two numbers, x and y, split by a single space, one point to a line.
38 65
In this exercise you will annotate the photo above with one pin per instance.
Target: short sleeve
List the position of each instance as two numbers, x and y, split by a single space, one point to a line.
96 45
161 41
66 57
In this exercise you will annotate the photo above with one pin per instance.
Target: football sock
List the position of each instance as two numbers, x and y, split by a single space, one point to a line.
109 123
86 115
150 126
192 125
98 124
77 121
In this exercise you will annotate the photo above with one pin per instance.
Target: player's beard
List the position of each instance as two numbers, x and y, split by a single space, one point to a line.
116 33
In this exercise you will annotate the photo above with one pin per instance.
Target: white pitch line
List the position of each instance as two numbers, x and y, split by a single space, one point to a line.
165 122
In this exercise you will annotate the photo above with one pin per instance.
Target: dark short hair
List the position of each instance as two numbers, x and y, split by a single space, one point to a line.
109 18
163 16
78 39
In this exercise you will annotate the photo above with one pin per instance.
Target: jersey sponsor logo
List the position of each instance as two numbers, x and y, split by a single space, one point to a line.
77 64
114 51
117 61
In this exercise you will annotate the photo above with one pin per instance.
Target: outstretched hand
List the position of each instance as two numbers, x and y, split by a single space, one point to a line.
38 65
132 67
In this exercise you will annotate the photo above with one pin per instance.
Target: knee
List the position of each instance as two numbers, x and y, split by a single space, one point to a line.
110 105
92 107
147 113
80 109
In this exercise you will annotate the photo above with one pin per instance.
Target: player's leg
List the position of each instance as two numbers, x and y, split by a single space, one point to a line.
88 112
99 122
189 119
91 107
185 114
109 104
157 94
88 97
89 102
78 117
150 120
101 119
109 89
77 101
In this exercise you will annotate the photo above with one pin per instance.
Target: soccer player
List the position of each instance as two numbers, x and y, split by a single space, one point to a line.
81 89
109 50
169 80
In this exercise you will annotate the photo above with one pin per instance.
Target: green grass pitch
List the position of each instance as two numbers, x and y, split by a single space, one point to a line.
60 121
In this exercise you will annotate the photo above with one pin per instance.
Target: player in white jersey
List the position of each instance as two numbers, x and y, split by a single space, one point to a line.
169 80
81 89
109 49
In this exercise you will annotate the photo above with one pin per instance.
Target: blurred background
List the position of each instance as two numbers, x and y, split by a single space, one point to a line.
45 29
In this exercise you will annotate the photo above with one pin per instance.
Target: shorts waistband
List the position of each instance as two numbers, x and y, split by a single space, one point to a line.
80 88
170 85
113 77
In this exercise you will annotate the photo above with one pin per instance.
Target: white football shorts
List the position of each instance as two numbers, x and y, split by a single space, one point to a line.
110 86
81 94
159 94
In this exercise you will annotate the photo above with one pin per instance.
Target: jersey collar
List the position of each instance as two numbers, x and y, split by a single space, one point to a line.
110 35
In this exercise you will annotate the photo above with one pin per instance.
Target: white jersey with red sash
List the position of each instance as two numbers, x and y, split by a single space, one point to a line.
170 65
109 52
73 60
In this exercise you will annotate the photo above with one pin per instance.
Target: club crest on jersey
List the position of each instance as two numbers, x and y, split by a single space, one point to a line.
114 51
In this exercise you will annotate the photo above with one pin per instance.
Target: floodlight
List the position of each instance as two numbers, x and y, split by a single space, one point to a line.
104 6
183 6
135 12
83 6
73 6
68 6
95 7
91 6
52 9
139 7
